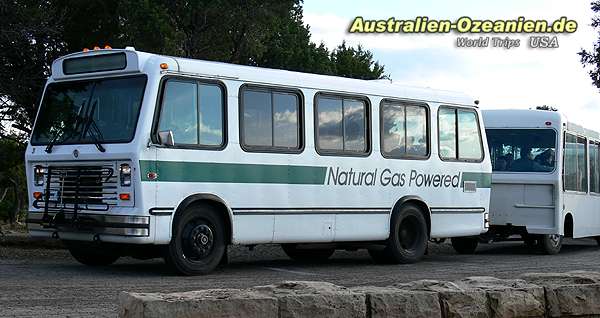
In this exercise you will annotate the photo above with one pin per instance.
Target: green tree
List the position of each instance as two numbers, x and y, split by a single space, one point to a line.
13 192
356 63
30 39
592 58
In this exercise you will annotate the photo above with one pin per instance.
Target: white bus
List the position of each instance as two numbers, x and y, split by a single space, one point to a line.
182 158
546 178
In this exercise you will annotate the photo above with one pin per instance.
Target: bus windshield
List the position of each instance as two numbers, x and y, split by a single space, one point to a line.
89 111
522 150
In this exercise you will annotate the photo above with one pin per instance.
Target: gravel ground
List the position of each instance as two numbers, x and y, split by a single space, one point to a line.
48 282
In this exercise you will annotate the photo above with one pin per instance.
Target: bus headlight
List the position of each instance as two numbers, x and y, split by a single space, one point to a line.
125 175
38 175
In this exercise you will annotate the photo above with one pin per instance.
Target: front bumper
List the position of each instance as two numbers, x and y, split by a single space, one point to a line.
88 223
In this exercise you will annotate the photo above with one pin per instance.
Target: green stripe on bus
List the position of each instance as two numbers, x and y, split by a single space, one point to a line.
483 179
177 171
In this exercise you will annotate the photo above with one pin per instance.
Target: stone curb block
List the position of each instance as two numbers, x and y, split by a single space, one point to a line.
315 299
210 303
395 302
573 294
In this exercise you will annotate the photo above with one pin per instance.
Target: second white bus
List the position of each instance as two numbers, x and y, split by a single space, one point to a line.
546 178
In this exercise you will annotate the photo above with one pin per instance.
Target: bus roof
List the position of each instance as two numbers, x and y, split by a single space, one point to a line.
532 118
267 76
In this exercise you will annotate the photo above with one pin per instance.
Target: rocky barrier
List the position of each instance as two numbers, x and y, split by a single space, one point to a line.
572 294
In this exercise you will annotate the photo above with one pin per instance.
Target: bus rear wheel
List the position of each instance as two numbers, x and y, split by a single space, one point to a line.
408 237
464 245
307 255
198 241
550 244
91 254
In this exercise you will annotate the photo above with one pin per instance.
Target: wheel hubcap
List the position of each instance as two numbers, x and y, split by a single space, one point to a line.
554 239
198 241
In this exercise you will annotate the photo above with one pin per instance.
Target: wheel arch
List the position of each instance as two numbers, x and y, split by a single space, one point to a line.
418 201
211 199
568 225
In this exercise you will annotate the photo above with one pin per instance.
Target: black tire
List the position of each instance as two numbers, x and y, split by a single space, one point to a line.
550 244
597 239
408 237
198 241
465 245
307 255
92 254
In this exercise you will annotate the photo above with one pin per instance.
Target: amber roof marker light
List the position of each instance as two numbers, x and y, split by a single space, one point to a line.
164 66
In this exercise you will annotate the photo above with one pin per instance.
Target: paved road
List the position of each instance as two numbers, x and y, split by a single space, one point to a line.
48 283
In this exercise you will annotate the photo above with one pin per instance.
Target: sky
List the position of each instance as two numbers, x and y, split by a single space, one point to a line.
517 78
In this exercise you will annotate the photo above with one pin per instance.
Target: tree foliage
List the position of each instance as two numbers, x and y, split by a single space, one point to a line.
592 58
269 33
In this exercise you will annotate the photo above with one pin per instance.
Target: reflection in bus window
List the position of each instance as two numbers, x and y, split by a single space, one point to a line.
594 167
179 107
447 133
271 119
404 130
522 150
193 111
459 135
469 145
341 125
575 165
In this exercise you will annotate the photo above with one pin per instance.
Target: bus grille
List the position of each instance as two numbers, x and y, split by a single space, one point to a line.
75 188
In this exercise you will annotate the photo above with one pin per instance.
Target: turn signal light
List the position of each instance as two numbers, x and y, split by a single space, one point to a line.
37 195
124 196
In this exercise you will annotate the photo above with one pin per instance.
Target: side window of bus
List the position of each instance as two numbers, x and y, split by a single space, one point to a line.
342 125
193 111
575 165
459 134
594 150
404 130
271 120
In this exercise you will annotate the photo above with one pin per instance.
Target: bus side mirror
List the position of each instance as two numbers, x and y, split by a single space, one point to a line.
166 138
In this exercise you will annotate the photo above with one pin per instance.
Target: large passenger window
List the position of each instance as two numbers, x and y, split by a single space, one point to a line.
404 130
459 135
342 125
271 120
522 150
575 163
194 112
594 150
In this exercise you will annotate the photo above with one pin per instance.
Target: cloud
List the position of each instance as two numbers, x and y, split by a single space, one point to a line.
517 78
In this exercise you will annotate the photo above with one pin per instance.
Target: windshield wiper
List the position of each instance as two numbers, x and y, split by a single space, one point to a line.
54 139
95 132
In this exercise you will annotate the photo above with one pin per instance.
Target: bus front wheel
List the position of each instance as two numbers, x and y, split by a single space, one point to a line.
198 242
464 245
408 237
